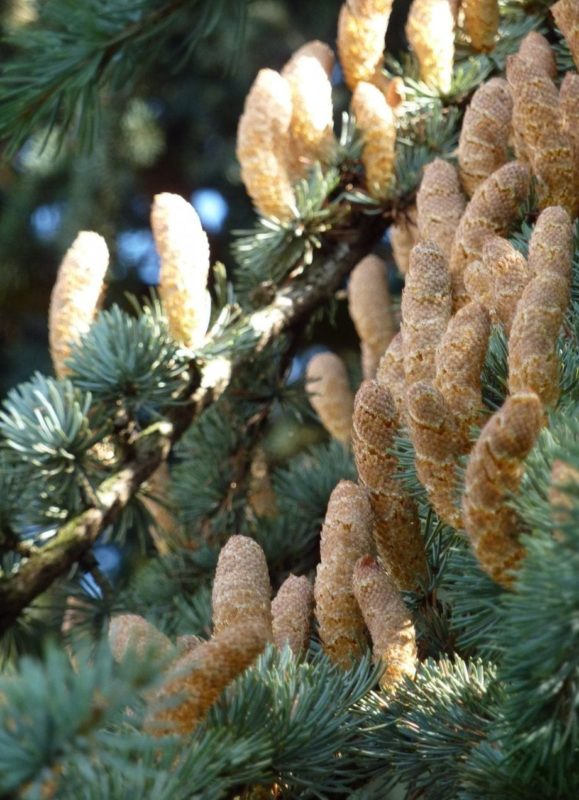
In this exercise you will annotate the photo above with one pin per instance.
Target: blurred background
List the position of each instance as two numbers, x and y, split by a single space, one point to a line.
175 131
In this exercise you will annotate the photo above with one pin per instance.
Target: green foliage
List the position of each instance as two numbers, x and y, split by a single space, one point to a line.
79 52
422 737
129 361
50 429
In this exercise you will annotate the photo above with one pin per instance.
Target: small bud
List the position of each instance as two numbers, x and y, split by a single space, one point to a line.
397 535
440 204
375 120
131 633
481 22
292 614
346 535
183 248
436 441
241 588
330 394
261 495
403 237
426 309
459 361
201 675
538 121
483 142
388 620
493 208
509 274
75 296
391 376
369 304
430 32
494 472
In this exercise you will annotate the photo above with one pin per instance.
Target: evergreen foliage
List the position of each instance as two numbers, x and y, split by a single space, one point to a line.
166 455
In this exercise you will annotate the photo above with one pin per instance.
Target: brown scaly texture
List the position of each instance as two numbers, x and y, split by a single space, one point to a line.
75 296
133 633
375 120
202 674
509 273
346 535
241 588
399 542
361 32
292 614
312 121
263 145
391 629
426 309
478 283
481 22
183 249
434 434
459 362
536 49
430 32
369 305
569 102
494 472
538 122
330 394
156 500
390 374
440 204
483 142
566 13
493 208
403 237
533 360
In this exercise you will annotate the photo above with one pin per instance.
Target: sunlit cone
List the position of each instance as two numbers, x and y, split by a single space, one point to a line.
312 121
493 209
361 35
314 49
440 204
566 13
291 610
459 362
430 32
346 535
330 394
183 249
75 296
494 472
263 145
437 444
396 530
369 304
536 49
391 629
241 589
481 22
375 119
551 245
484 135
426 309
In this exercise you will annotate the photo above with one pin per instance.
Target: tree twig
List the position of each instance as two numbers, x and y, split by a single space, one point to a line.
291 308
